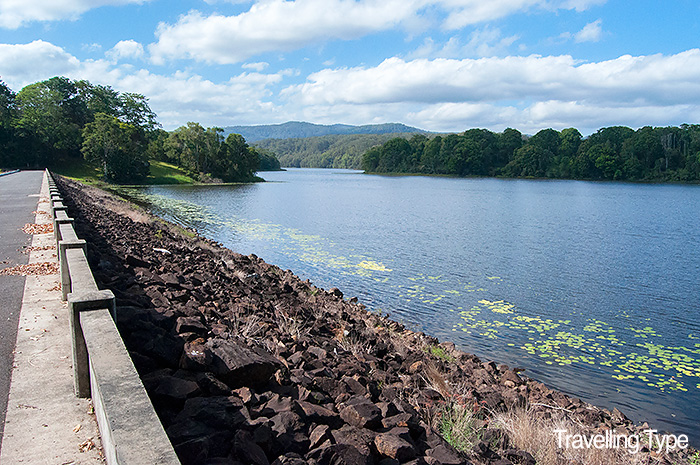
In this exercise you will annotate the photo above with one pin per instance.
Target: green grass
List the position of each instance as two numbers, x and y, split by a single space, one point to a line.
79 170
165 173
440 353
457 424
161 173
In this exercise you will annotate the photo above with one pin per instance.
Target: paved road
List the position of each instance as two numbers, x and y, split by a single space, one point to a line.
19 194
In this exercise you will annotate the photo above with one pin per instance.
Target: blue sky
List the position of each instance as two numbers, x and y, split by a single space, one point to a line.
441 65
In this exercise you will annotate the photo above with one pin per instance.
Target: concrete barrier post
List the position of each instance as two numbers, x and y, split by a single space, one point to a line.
93 300
57 222
56 207
66 286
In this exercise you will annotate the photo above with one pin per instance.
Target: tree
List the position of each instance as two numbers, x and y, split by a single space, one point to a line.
134 110
7 114
508 142
117 148
370 160
51 115
99 99
236 161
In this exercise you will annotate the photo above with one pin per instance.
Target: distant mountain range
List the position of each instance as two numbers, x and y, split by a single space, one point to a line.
297 129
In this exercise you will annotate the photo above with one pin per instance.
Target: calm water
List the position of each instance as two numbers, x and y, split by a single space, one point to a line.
593 288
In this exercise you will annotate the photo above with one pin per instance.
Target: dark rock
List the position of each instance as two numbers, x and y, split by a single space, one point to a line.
238 365
445 455
362 413
338 454
285 422
319 435
402 420
361 439
219 412
320 415
190 324
247 451
293 441
136 261
519 457
177 389
511 379
317 352
196 356
211 385
392 446
355 386
336 292
290 458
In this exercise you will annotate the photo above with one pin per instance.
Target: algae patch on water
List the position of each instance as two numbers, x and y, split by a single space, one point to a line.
595 343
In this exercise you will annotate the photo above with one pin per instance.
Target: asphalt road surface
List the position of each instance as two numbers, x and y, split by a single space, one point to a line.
19 195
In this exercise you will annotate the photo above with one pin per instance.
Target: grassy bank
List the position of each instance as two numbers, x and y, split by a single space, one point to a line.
161 173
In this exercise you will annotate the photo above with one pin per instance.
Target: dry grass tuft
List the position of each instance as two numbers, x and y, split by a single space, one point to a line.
535 435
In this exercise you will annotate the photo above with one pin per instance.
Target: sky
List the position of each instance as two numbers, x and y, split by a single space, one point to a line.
440 65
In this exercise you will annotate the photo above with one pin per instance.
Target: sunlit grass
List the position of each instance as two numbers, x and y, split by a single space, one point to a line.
165 173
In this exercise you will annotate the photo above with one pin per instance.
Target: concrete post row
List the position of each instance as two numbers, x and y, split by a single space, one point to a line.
129 427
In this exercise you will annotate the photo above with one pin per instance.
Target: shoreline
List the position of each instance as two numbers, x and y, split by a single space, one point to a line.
345 359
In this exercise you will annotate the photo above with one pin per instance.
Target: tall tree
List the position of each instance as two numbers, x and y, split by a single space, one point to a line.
51 114
116 147
7 114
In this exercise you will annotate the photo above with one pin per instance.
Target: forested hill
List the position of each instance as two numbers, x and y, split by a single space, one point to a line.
296 129
332 151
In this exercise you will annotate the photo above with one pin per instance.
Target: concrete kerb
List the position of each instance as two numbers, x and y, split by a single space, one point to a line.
87 301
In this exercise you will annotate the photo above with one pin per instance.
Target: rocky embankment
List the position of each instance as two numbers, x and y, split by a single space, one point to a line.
247 364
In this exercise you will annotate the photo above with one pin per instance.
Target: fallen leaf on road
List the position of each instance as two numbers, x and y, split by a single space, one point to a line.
32 269
38 228
86 446
77 428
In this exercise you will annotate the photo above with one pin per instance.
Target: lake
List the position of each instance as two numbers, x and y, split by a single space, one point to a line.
592 288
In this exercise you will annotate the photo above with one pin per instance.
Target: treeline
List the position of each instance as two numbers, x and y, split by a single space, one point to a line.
59 121
615 153
330 151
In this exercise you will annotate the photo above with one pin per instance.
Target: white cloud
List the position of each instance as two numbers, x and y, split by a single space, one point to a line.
280 25
259 67
275 25
482 43
468 12
15 13
592 32
581 5
24 64
176 98
660 79
126 49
